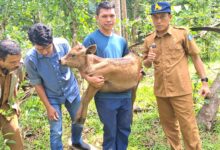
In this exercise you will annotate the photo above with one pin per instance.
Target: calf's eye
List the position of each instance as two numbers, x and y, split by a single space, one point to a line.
73 55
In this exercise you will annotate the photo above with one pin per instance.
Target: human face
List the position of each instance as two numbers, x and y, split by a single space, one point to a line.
11 62
44 50
106 20
161 22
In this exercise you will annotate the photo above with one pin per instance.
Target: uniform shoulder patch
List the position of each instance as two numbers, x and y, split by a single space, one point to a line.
189 37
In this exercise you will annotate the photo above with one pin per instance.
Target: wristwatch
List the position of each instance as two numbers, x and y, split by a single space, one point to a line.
204 79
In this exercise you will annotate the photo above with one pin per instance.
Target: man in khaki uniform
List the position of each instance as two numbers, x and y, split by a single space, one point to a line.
10 69
168 49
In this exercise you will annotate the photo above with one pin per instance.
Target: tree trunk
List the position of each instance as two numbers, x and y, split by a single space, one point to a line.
73 30
208 112
124 17
214 29
73 25
2 28
118 15
134 31
1 31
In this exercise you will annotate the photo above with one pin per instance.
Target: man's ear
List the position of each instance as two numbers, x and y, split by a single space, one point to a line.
1 62
171 16
96 17
91 49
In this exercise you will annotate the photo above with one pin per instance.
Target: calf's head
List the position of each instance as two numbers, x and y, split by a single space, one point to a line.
77 56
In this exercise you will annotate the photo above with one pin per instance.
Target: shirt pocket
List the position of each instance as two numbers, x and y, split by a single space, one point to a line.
175 52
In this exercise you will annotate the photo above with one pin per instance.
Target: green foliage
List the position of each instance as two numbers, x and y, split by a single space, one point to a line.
74 19
6 113
3 142
187 13
198 14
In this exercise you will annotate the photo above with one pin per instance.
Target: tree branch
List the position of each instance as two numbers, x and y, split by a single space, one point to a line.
214 29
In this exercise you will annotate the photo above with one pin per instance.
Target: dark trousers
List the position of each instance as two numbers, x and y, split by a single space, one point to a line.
115 114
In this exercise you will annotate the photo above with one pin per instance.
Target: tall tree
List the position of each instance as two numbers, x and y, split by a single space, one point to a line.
118 15
124 18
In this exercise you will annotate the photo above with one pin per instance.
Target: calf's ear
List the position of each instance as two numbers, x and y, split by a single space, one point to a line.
91 49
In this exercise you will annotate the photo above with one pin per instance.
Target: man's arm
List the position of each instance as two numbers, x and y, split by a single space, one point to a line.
35 80
51 112
198 64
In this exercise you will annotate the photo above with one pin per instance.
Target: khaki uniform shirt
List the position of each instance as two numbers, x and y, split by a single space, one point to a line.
171 62
9 84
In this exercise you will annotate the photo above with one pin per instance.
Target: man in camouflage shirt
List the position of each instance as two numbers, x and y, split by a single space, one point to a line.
10 75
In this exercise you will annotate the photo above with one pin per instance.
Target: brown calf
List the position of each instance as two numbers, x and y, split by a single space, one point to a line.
120 74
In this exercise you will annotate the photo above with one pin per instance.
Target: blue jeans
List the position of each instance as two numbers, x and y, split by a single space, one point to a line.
116 115
56 126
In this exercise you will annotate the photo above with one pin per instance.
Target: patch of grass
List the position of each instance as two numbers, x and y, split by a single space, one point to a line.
146 132
34 124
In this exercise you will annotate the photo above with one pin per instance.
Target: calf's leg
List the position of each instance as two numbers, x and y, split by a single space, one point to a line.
86 98
133 97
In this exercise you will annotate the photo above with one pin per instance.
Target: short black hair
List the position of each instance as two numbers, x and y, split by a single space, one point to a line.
9 47
40 34
104 5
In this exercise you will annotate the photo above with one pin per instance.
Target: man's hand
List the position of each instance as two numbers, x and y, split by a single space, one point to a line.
52 114
205 91
149 58
96 81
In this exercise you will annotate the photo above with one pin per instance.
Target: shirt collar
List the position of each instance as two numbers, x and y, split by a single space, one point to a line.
5 73
169 31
